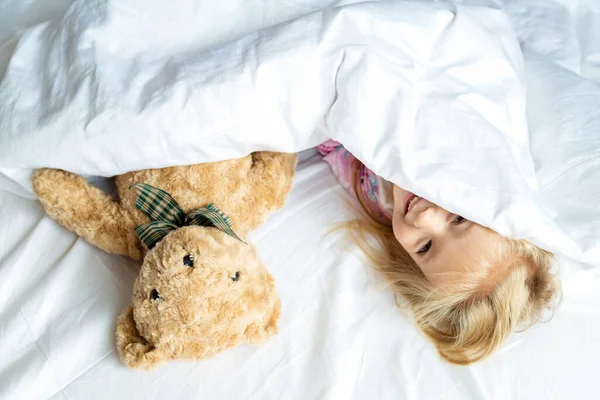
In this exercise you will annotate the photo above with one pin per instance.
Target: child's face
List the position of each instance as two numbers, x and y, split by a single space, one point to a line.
444 245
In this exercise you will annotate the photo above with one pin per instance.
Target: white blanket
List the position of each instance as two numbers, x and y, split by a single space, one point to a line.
430 96
489 112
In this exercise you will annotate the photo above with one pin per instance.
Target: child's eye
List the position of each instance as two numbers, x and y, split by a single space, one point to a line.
425 248
458 220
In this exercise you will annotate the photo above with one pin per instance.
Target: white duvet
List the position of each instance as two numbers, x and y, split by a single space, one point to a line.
491 112
431 96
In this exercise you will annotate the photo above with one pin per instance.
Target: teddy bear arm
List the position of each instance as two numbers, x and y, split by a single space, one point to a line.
270 178
86 210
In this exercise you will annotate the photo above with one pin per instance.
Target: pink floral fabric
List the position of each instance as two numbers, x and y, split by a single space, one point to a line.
377 193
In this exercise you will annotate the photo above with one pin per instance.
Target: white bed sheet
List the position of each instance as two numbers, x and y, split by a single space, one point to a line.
341 336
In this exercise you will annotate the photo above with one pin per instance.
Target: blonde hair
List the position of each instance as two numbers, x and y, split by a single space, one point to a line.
466 320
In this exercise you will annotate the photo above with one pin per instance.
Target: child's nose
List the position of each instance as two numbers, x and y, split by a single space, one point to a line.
432 220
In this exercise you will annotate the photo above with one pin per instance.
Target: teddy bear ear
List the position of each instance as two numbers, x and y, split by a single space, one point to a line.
133 349
259 331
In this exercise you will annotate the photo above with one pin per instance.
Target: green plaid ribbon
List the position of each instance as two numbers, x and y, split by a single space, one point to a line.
167 215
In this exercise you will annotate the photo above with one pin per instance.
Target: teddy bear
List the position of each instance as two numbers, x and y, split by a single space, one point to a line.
201 288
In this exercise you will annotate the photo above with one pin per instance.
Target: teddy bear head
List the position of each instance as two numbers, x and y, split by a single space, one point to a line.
199 291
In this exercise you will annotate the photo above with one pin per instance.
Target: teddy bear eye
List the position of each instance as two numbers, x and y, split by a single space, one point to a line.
236 277
154 294
188 260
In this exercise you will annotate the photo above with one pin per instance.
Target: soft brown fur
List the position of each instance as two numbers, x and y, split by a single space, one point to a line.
201 310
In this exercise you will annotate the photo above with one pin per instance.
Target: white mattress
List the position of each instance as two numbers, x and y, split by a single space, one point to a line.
341 334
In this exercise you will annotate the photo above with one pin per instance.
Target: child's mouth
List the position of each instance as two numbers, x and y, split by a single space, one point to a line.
409 202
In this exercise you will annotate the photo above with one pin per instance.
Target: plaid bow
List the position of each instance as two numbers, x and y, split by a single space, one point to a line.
167 215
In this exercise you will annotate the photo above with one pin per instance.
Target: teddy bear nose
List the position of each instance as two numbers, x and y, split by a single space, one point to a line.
154 294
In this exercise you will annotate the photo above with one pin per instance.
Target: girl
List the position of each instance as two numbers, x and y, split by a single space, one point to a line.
467 287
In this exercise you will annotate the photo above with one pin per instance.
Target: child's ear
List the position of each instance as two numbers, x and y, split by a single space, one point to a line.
133 349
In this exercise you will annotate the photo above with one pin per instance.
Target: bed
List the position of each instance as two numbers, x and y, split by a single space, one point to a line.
341 334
